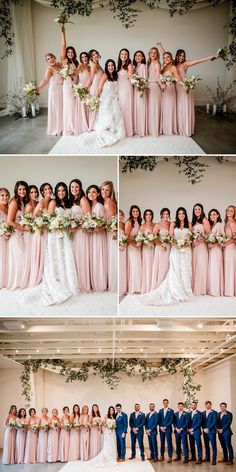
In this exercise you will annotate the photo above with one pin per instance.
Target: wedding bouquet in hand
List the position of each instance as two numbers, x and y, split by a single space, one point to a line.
139 238
62 19
31 90
112 226
110 424
141 83
11 423
54 424
60 223
44 425
80 91
149 239
5 230
93 223
27 220
20 424
211 239
182 243
167 79
66 71
34 426
66 425
197 235
92 103
123 241
190 83
40 223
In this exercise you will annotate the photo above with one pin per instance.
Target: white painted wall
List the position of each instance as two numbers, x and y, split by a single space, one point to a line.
165 187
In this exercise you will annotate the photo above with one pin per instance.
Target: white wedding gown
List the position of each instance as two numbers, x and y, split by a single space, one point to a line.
177 286
109 125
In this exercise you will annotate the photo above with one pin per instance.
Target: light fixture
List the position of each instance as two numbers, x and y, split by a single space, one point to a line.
58 350
22 326
17 351
99 350
120 349
202 349
162 350
141 349
37 350
200 325
78 350
29 356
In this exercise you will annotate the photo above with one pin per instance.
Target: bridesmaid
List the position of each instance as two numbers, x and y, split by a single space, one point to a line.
21 431
132 227
95 432
95 75
215 280
74 451
39 240
55 96
122 258
169 114
140 103
230 252
185 102
154 93
125 90
53 437
98 244
200 253
80 206
68 58
162 250
31 438
64 438
81 113
85 422
43 436
110 205
4 202
9 447
16 242
147 252
28 266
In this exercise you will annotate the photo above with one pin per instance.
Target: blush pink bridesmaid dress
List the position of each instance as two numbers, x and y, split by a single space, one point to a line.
169 114
112 259
140 105
98 254
185 108
215 276
64 441
95 443
55 105
31 445
74 449
92 90
20 442
147 265
80 246
38 247
200 264
53 442
42 444
3 255
123 268
15 256
84 443
154 102
134 264
126 99
229 265
28 237
69 107
161 261
9 447
82 112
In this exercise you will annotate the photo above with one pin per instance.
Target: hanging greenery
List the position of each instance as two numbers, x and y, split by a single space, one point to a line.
6 25
108 371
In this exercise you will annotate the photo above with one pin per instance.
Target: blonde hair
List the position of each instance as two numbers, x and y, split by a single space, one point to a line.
149 52
234 217
85 406
49 54
109 183
3 189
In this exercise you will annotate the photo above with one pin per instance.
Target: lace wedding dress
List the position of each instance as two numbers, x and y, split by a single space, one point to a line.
177 285
109 125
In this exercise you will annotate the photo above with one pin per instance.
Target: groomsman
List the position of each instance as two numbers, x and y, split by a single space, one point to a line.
137 423
121 431
180 428
166 418
224 430
194 430
151 423
209 423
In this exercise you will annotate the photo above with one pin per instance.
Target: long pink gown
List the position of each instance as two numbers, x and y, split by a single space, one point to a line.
15 257
55 105
95 440
185 108
134 264
123 268
82 112
169 113
229 265
80 248
38 247
92 90
215 276
147 264
140 105
69 107
53 442
64 441
74 449
200 264
20 442
9 447
112 256
84 444
154 102
27 259
31 445
98 254
42 444
161 261
126 98
3 255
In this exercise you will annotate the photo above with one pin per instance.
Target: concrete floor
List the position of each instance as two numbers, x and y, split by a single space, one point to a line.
28 136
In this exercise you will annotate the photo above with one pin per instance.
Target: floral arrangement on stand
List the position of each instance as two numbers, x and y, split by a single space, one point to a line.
222 99
24 100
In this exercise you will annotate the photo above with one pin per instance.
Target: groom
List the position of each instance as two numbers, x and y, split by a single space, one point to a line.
121 431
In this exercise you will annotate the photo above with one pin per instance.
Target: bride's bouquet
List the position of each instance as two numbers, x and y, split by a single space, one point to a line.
190 83
141 83
123 241
92 103
60 223
112 226
182 243
11 423
222 52
111 425
167 79
80 91
93 223
5 230
66 71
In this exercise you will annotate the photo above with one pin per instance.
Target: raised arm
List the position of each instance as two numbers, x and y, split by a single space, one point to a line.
47 77
161 47
63 43
199 61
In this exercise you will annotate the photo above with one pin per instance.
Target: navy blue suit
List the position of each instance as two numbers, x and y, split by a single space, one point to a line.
224 423
121 427
194 424
210 422
151 424
167 422
139 423
181 422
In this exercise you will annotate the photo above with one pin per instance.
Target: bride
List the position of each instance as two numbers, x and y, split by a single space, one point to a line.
176 287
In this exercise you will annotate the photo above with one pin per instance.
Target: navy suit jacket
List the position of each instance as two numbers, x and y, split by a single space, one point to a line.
225 422
181 422
166 421
121 423
210 422
138 422
195 422
151 423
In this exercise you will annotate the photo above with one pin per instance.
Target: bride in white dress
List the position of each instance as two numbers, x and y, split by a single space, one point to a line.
177 286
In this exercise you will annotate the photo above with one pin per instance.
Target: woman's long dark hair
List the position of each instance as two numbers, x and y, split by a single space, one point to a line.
177 220
98 414
143 59
199 219
84 53
119 62
11 408
90 53
29 190
42 187
219 220
17 198
20 412
57 199
114 76
131 217
99 199
163 210
112 417
72 199
145 212
30 411
74 413
74 60
178 52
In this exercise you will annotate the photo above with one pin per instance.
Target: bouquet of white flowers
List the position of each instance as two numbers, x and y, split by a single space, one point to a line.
149 239
44 425
111 425
60 223
165 239
40 223
20 424
31 90
5 230
197 235
92 102
11 423
76 424
221 238
167 79
190 83
63 18
66 71
139 238
93 223
27 220
34 426
123 240
112 226
182 243
66 424
80 91
211 239
55 424
141 83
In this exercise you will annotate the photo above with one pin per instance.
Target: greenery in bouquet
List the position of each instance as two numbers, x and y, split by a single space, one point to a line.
93 223
123 240
112 226
92 103
6 230
80 91
141 83
190 83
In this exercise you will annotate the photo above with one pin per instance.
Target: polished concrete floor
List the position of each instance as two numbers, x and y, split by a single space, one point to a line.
28 136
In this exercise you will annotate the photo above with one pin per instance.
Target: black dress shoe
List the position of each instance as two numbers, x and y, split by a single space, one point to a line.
143 458
205 459
199 461
185 461
132 457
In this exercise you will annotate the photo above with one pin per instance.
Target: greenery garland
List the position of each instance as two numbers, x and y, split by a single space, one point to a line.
108 371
